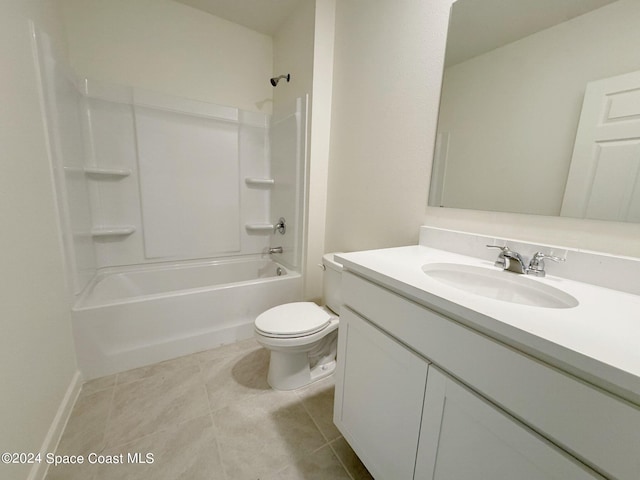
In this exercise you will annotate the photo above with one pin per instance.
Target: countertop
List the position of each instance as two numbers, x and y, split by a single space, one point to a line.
597 341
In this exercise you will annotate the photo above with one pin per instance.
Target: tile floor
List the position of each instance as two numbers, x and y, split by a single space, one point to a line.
209 416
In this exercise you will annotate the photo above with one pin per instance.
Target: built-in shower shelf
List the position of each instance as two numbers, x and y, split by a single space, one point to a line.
259 182
113 231
263 228
107 172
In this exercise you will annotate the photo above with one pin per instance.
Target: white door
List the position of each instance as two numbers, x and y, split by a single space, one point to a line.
464 437
604 177
380 396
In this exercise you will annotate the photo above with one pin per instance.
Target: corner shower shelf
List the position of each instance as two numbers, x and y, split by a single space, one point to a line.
113 231
107 172
261 228
259 182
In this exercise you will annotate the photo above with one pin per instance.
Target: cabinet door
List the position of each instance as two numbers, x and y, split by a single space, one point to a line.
464 437
379 397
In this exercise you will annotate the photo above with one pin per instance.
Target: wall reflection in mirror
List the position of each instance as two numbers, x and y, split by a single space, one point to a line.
540 109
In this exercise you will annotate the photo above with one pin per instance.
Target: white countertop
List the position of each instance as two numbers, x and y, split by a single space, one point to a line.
598 341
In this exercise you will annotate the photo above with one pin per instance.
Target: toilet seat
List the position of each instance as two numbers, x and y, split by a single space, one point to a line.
292 320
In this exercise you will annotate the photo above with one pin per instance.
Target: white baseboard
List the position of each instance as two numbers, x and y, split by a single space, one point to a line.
50 443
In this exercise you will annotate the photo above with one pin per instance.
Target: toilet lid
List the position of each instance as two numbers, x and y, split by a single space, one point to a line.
293 319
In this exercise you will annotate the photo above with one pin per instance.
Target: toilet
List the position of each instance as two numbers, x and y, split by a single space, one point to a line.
302 336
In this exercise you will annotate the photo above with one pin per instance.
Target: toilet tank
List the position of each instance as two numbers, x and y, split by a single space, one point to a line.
332 282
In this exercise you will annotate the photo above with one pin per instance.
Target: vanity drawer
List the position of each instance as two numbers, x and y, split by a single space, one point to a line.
600 429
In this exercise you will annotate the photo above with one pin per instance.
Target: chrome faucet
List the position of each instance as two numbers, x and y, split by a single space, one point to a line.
275 250
513 261
509 260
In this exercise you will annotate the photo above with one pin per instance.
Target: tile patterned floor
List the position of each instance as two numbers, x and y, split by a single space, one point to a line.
207 416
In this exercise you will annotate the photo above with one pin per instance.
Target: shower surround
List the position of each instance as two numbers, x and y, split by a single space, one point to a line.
154 188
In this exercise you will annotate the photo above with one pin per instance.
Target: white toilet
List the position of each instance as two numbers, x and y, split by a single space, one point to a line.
302 336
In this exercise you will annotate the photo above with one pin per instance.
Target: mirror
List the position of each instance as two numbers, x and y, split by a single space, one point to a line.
540 109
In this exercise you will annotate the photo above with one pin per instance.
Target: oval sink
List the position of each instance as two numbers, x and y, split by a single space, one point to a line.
499 285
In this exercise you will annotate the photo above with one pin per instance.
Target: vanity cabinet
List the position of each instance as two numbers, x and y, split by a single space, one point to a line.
464 437
380 423
421 395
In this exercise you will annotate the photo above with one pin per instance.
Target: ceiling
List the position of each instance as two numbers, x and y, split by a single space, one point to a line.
264 16
479 26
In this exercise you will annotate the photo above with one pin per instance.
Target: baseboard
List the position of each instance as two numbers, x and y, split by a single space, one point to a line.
39 470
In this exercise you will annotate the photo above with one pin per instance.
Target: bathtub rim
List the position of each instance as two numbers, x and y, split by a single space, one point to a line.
103 272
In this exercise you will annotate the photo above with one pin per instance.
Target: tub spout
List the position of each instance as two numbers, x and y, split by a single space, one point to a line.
275 250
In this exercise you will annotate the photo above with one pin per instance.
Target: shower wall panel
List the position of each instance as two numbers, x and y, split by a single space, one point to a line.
111 145
288 147
63 119
189 184
184 196
144 177
255 156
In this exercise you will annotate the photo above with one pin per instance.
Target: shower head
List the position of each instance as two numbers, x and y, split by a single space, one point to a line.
275 80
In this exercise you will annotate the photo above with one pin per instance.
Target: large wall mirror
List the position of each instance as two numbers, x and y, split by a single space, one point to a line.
540 109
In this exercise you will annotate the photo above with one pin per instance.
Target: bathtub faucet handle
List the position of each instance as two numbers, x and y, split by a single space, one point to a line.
281 226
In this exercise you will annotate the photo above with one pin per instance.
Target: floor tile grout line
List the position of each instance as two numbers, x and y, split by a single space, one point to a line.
340 459
325 444
162 429
328 442
218 448
108 421
315 422
142 437
213 423
311 417
119 381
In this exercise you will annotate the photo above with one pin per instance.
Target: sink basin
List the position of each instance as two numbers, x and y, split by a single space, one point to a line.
499 285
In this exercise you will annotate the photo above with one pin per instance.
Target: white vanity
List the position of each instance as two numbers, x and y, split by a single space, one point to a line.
434 382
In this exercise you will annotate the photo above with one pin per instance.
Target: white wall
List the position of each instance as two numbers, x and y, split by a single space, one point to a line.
323 55
37 360
171 48
388 58
293 53
512 113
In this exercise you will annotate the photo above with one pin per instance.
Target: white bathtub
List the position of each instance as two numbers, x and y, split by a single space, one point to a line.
130 317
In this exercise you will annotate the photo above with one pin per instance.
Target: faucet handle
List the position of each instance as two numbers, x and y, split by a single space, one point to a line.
539 257
504 249
501 262
536 265
281 226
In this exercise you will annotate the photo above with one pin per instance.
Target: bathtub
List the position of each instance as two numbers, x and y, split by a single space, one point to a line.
131 317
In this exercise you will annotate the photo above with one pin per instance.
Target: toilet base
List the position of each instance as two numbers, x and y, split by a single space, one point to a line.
290 371
322 371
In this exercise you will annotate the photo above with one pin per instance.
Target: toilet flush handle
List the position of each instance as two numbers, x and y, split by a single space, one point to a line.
322 266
